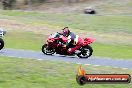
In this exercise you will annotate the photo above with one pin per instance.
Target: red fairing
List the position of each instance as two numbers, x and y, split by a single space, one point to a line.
50 39
64 39
88 41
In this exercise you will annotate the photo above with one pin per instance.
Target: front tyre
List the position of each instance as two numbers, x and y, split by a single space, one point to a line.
46 50
85 52
1 43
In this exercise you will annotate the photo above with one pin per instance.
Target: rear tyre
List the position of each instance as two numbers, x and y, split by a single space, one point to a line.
85 52
1 43
45 49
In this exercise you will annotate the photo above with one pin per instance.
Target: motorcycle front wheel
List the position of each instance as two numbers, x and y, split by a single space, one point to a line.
85 52
1 43
45 49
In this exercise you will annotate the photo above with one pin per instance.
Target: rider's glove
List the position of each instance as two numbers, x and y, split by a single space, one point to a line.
64 46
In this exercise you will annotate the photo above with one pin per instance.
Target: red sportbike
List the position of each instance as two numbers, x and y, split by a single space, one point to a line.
55 44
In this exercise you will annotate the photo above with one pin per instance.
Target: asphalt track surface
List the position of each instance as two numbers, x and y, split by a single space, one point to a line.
96 61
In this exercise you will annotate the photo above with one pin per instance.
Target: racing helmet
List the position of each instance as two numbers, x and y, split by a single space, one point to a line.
66 31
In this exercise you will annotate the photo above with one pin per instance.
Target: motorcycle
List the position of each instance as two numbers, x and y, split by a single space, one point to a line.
55 43
2 33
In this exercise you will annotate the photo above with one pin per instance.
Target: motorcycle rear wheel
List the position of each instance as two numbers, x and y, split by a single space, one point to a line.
47 51
86 52
1 43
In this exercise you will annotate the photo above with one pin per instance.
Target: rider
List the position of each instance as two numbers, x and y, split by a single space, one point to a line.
74 41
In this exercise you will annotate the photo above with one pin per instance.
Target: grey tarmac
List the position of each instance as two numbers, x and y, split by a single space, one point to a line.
97 61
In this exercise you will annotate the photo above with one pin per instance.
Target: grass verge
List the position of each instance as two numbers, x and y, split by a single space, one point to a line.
24 40
99 23
29 73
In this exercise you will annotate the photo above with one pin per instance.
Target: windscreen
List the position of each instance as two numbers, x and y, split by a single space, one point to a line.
56 35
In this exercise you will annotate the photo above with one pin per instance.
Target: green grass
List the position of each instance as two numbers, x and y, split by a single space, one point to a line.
24 40
113 51
29 73
76 21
